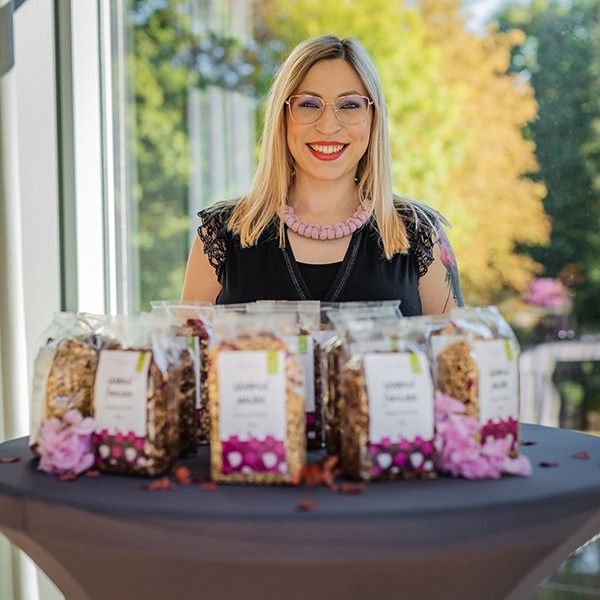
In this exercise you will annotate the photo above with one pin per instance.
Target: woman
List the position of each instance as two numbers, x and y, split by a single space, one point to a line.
320 221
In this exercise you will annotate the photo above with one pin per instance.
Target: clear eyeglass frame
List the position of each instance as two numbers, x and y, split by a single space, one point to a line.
337 107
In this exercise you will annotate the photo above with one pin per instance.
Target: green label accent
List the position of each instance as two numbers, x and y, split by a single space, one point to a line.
303 344
415 363
394 344
140 362
508 349
272 362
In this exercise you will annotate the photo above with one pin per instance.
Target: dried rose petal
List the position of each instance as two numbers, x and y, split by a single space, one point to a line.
329 469
295 479
182 476
546 463
348 488
9 459
70 476
583 455
209 487
312 474
306 506
528 443
93 473
160 484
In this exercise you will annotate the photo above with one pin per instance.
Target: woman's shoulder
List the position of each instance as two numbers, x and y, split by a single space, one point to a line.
423 225
419 218
217 214
213 233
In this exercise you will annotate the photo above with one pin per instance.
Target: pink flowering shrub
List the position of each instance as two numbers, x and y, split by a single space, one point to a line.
65 444
460 451
546 292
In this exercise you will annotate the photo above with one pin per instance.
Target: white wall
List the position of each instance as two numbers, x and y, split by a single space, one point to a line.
37 163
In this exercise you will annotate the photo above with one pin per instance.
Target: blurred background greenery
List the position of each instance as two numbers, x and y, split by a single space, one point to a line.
498 127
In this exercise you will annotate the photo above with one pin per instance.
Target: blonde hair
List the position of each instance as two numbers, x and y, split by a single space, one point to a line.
268 194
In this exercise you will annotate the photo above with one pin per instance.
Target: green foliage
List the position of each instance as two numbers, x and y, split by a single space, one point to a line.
422 111
456 114
456 118
169 58
560 57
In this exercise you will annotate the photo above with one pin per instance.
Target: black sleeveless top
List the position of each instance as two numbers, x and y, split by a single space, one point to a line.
319 278
267 272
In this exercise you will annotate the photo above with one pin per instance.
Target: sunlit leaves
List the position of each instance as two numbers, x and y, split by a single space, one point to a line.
456 124
561 59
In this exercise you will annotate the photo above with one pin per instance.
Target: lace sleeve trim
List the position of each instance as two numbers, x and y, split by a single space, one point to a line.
212 232
422 223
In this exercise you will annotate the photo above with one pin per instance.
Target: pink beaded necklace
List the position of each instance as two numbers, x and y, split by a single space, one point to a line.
326 232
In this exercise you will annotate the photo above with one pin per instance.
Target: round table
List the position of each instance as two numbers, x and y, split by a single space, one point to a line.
108 537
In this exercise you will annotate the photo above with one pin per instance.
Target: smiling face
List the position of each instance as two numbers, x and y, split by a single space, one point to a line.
328 150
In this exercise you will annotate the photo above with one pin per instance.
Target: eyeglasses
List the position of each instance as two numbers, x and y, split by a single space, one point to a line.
351 110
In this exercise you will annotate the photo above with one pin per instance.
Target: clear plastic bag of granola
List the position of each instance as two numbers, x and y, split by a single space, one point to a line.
334 313
256 392
308 322
64 369
386 411
476 360
193 323
336 320
137 396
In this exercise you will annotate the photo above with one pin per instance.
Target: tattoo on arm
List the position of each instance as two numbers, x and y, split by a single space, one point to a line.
449 261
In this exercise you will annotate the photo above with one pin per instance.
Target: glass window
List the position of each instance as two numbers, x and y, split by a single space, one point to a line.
183 133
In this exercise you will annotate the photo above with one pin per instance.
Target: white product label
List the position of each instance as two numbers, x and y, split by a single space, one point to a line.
252 394
400 392
305 348
498 380
197 355
120 391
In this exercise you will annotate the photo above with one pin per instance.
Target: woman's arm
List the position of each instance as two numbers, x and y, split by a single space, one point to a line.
200 283
439 288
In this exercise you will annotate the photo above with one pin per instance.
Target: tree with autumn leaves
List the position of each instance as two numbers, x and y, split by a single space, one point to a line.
456 116
496 129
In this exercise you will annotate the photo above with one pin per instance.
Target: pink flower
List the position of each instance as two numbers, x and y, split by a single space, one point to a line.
460 451
547 293
517 466
65 445
79 424
446 405
479 468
